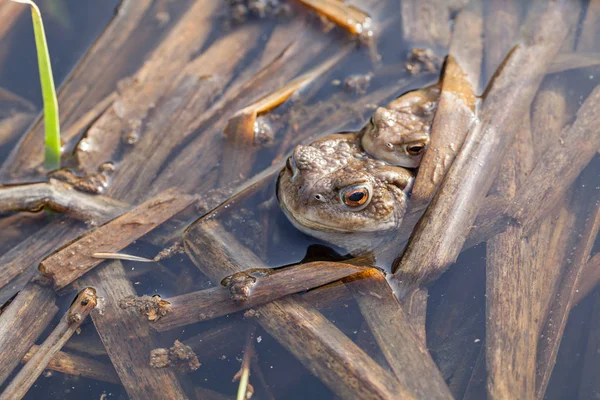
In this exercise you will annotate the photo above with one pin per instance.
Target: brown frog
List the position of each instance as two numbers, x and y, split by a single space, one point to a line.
399 132
332 190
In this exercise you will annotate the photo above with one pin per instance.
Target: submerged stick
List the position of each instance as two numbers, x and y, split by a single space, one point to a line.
559 166
77 258
510 331
82 306
212 303
442 231
72 364
557 317
589 386
426 22
573 60
127 338
590 279
404 351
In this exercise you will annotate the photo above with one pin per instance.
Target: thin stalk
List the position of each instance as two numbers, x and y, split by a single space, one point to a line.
51 119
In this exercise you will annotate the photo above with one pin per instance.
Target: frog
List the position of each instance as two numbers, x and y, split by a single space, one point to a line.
398 133
333 190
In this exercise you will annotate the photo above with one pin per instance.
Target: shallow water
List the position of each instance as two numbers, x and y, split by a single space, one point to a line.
456 307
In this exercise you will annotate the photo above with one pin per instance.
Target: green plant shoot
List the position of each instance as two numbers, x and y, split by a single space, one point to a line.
51 119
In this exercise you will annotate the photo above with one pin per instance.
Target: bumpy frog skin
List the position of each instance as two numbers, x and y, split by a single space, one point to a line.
399 132
332 190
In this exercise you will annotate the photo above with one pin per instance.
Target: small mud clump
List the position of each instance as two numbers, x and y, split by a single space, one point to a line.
153 307
179 356
421 61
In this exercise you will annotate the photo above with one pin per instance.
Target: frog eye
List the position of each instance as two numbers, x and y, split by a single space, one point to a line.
415 149
356 197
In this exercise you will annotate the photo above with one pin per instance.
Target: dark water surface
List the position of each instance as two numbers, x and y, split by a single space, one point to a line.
456 306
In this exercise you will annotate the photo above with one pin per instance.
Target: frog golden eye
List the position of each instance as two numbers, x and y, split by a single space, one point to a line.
356 197
415 149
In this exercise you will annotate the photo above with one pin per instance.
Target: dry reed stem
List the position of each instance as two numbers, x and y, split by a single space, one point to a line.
76 258
587 207
510 331
442 231
387 319
84 303
454 116
502 22
559 166
212 303
466 44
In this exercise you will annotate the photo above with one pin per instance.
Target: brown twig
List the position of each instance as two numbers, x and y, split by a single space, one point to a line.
82 306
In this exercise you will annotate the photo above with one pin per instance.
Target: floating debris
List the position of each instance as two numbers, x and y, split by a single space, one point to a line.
153 307
421 61
179 356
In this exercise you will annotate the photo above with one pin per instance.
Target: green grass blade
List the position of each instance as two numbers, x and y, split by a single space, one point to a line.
51 119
